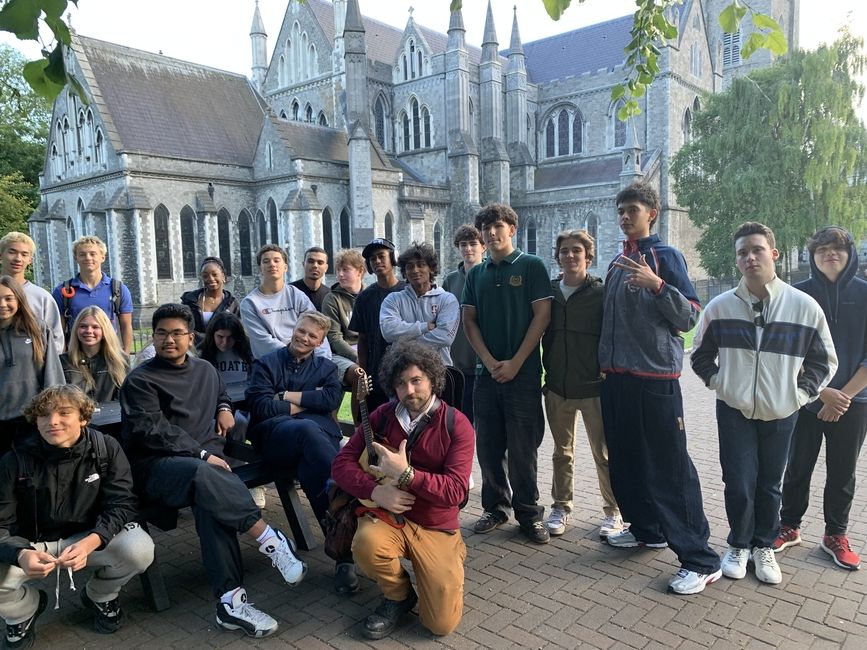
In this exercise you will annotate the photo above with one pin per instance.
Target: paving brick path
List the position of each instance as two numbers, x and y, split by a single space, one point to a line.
573 592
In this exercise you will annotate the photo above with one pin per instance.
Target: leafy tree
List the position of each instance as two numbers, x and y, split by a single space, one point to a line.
24 118
783 146
651 26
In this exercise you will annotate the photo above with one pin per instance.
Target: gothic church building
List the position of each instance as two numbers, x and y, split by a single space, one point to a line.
355 129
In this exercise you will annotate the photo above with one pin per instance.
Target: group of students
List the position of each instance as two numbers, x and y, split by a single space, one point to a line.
789 366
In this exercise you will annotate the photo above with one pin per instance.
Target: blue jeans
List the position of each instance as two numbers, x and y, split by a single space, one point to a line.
652 475
509 418
753 456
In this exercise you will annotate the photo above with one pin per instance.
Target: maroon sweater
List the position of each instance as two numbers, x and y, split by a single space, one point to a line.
442 465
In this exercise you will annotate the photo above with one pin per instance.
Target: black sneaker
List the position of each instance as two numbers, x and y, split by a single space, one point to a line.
489 521
106 616
345 578
536 532
241 615
23 635
385 617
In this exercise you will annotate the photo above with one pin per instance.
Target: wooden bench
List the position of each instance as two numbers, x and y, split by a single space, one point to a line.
254 473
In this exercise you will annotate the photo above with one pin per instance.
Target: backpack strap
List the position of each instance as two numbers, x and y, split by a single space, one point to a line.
115 296
98 451
67 291
450 421
24 480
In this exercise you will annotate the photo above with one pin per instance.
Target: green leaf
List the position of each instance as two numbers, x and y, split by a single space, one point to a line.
21 17
34 74
60 29
555 8
638 89
617 92
776 42
53 8
762 21
756 41
670 31
55 70
730 17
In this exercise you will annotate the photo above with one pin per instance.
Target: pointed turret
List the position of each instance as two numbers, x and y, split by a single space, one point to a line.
516 48
631 156
259 42
490 46
353 21
457 32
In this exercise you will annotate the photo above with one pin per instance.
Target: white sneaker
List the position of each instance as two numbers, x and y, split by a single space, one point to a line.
241 615
625 539
734 563
611 525
283 556
687 582
557 521
767 569
258 494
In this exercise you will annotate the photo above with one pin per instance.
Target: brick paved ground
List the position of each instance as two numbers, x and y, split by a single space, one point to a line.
572 592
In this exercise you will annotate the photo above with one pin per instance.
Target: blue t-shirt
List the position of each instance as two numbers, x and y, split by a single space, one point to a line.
100 296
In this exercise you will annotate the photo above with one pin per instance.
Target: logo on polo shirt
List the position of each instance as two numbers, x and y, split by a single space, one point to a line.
516 280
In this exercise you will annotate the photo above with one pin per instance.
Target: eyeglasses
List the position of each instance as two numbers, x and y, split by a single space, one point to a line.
759 318
162 335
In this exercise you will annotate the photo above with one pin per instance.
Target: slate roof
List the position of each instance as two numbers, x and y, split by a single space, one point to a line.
582 50
384 40
584 172
314 142
157 105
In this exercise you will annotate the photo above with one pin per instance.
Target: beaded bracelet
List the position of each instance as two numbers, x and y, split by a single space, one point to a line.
405 477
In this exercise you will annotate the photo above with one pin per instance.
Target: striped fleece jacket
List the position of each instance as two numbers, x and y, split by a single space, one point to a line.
766 373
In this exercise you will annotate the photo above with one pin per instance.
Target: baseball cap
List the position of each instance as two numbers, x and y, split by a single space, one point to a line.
376 244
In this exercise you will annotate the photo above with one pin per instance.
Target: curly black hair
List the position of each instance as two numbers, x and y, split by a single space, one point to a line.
419 251
405 353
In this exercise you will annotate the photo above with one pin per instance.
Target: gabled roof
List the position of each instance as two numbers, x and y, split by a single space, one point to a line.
582 50
167 107
383 41
585 172
323 143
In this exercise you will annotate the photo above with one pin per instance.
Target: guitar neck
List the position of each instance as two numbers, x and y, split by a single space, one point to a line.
368 432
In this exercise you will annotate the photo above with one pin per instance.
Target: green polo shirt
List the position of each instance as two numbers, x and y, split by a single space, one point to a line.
503 295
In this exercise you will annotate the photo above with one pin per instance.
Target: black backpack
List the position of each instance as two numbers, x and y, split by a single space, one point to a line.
68 291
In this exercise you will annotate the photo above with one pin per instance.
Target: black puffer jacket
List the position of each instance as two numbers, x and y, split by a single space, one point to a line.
65 494
193 299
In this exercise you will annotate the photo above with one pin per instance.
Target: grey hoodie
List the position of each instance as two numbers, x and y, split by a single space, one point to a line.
20 378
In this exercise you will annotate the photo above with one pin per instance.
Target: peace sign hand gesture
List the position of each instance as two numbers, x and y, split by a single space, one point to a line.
639 274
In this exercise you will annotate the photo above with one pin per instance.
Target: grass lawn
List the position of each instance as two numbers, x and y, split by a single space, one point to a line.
687 339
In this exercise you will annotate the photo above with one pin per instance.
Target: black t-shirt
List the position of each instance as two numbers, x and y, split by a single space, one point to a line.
365 320
316 297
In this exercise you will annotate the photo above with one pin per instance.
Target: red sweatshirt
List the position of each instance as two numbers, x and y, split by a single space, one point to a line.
442 465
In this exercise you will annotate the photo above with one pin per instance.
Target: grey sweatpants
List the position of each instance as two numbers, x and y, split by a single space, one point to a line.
129 553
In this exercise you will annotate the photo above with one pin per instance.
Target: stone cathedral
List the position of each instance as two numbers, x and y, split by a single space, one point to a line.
355 129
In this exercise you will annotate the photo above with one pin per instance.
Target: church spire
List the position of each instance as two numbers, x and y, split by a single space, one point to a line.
259 42
631 161
457 32
515 46
490 47
353 22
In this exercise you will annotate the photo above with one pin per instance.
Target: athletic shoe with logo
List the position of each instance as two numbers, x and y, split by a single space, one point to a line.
767 569
283 556
23 634
106 616
788 536
625 539
241 615
557 520
686 583
734 563
611 525
837 546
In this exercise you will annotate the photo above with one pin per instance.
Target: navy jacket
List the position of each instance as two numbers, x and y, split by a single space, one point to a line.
845 305
315 377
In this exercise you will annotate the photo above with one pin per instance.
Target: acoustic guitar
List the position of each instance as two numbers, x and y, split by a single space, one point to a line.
368 455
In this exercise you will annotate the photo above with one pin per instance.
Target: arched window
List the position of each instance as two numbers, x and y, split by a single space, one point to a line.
311 62
88 136
188 241
731 49
163 246
272 221
246 245
308 113
224 240
403 67
549 139
67 145
531 237
327 233
412 67
262 226
389 227
295 109
563 133
619 126
269 156
302 54
577 133
696 105
425 120
687 127
438 239
323 121
419 58
592 227
345 230
99 152
283 115
79 134
70 234
416 130
407 143
379 121
281 72
55 162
